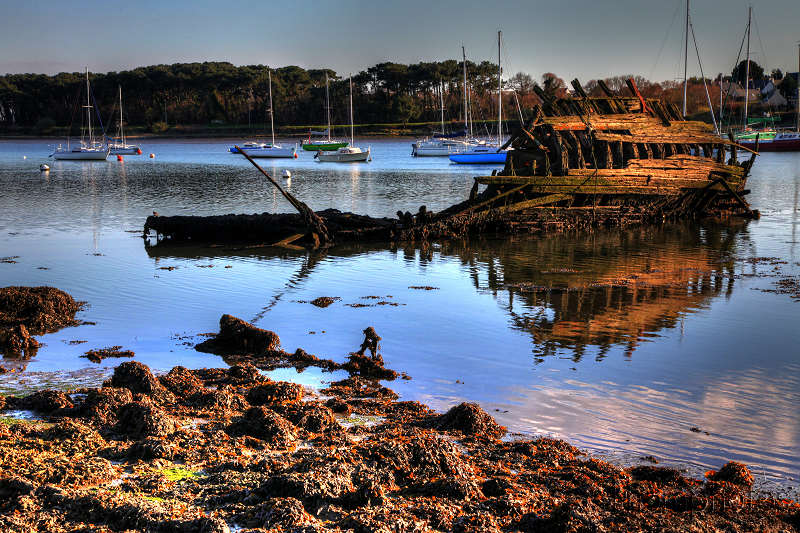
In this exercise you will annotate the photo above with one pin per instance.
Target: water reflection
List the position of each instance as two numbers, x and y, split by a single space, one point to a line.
617 288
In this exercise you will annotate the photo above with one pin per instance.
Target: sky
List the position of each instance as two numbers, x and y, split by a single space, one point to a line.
586 39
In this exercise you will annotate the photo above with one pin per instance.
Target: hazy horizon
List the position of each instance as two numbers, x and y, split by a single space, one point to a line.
586 40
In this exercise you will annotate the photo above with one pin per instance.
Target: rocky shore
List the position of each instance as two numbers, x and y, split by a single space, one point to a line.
228 449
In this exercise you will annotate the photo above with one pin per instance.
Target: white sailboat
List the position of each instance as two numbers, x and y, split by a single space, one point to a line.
273 149
437 147
89 148
118 145
346 154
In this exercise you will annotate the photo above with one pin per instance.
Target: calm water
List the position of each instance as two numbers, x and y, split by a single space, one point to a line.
619 341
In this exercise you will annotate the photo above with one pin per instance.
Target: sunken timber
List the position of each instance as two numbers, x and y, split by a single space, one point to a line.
581 162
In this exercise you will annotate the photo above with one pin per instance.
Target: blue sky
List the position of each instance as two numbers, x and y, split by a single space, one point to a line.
580 38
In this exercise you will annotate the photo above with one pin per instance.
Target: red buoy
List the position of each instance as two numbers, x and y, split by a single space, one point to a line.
119 158
138 151
295 155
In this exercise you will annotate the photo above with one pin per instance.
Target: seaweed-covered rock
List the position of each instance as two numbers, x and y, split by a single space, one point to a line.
244 374
151 448
658 474
101 405
339 406
324 301
368 367
732 472
239 337
138 420
314 417
136 377
471 420
267 425
284 513
418 456
223 399
16 341
212 524
359 387
47 401
97 356
275 392
481 522
40 309
329 483
182 382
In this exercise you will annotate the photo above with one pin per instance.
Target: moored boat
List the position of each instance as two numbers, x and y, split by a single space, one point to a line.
480 155
346 154
117 145
488 153
273 149
771 141
89 149
325 145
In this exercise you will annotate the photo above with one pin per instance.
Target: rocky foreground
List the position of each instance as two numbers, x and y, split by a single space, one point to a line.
215 450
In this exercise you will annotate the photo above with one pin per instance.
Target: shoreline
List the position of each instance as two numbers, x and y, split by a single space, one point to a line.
212 449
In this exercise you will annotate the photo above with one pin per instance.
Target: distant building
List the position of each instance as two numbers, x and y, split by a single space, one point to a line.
738 94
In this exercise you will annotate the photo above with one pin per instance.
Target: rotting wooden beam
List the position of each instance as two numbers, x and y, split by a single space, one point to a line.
536 202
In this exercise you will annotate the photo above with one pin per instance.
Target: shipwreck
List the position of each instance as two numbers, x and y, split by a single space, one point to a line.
580 162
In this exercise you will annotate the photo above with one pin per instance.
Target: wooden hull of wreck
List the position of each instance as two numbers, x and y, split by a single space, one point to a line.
620 154
266 228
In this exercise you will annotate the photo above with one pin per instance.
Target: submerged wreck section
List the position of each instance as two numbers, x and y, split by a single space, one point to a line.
581 162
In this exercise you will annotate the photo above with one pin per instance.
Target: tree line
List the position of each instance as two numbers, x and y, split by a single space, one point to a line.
222 93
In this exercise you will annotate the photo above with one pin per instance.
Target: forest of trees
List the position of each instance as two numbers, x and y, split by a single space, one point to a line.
221 93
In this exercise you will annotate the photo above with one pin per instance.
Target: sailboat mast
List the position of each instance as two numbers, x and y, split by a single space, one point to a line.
499 94
352 140
441 101
271 114
328 105
686 59
466 121
747 68
88 109
121 131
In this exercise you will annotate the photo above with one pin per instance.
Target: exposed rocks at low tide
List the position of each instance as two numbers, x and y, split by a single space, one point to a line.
214 449
28 311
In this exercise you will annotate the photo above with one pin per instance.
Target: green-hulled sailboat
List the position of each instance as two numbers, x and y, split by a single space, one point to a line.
326 145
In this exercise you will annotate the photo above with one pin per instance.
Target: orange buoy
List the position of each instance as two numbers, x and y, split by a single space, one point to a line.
119 158
152 156
295 155
138 151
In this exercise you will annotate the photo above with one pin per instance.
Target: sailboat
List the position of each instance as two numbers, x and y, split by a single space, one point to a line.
329 144
257 149
89 149
768 139
491 153
346 154
439 145
118 145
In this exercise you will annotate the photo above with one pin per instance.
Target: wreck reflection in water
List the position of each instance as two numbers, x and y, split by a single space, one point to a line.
607 289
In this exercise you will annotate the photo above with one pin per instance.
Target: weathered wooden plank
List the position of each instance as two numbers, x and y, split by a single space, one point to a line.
599 184
536 202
